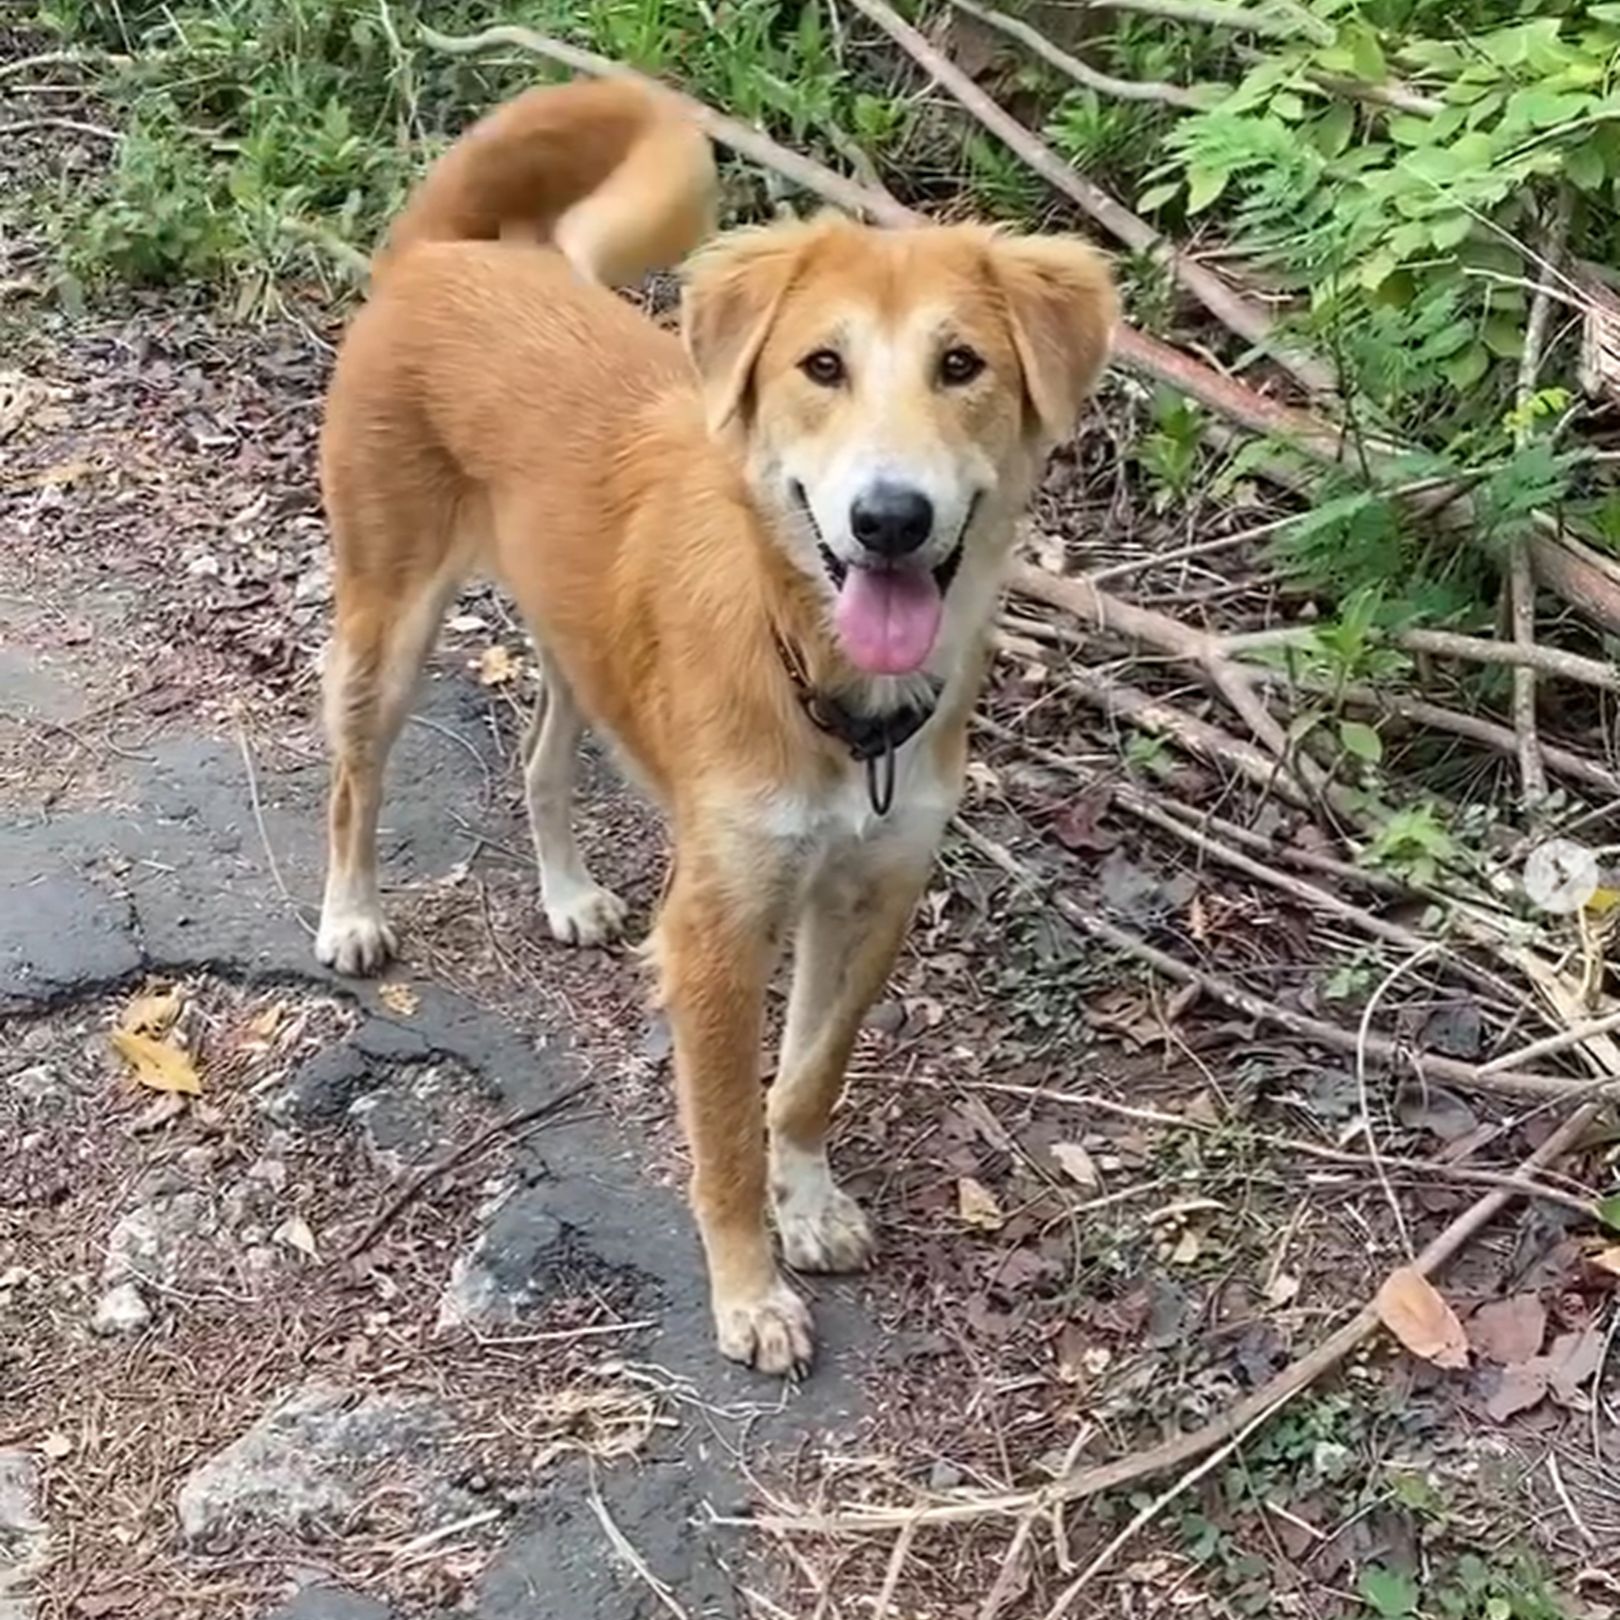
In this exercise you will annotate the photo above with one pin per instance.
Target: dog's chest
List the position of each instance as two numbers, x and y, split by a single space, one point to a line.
839 819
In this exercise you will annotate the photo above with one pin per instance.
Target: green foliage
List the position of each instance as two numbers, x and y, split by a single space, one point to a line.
261 131
1414 843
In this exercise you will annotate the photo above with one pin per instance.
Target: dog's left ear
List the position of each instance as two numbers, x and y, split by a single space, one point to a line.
1063 308
733 290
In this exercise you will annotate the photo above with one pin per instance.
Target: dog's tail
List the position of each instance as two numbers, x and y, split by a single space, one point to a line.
614 174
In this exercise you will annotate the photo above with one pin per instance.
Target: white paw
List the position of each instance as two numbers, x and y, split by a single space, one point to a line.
590 915
772 1333
824 1230
354 942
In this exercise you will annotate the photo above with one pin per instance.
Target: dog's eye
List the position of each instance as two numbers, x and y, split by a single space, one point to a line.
824 367
959 365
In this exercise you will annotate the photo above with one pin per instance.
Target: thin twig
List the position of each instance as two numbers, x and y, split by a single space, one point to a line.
74 126
738 137
1105 84
293 904
1521 571
891 1576
1241 314
540 1113
622 1546
1212 14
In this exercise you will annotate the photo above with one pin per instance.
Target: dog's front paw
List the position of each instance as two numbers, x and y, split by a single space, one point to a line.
824 1229
771 1333
587 916
354 943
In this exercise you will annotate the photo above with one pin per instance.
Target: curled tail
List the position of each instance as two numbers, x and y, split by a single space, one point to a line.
616 175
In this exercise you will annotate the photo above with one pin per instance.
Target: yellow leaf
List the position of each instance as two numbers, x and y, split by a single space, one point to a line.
265 1023
295 1233
977 1205
1413 1309
1603 901
496 667
151 1014
399 998
157 1064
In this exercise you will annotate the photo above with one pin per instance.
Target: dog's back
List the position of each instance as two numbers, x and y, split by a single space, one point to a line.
614 174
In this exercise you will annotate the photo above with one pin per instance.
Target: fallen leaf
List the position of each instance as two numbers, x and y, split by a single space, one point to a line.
1283 1289
295 1234
977 1205
1412 1308
1077 1165
158 1065
1608 1211
1076 827
1423 1107
1573 1358
56 1446
264 1024
153 1013
465 623
1520 1388
1608 1260
399 998
496 666
1509 1331
1188 1248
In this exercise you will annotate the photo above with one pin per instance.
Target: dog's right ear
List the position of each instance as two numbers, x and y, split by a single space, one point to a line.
734 288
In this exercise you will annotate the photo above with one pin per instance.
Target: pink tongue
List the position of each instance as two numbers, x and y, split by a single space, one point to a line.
888 621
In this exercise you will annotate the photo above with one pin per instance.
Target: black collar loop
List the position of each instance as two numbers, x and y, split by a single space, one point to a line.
871 739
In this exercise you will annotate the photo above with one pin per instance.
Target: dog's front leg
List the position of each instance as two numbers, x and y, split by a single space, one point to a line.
717 943
854 919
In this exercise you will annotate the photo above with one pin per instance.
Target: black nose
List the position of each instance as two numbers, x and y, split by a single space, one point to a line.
891 519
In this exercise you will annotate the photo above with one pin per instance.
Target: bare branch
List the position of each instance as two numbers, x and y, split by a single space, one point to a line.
1105 84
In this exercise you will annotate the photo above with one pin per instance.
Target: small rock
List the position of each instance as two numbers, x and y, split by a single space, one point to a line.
122 1310
314 1459
24 1537
508 1270
39 1085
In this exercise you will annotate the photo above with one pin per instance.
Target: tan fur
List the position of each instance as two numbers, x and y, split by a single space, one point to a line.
494 408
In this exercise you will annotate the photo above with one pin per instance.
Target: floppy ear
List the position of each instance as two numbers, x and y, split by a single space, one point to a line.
1063 308
733 290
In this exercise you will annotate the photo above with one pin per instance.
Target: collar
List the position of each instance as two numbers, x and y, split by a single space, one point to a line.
871 739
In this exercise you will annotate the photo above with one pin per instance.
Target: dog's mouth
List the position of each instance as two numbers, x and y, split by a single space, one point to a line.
887 614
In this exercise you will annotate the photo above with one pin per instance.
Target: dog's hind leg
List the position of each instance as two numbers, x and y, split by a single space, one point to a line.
579 911
849 934
381 640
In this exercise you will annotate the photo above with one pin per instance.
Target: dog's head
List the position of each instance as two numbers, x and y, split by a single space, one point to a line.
896 392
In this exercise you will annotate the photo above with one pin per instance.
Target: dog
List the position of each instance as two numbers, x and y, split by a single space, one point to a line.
760 559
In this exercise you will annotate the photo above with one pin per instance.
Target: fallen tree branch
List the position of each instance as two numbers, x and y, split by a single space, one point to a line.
1185 1450
1235 311
1472 726
737 137
1211 14
1466 1076
1480 650
1521 568
1105 84
73 126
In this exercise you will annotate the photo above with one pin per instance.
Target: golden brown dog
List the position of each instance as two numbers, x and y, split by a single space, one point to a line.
762 563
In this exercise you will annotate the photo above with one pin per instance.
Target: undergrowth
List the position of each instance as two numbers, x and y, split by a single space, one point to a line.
266 141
